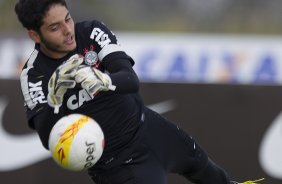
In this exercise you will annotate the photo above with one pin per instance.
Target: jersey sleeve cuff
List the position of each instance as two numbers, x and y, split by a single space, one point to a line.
108 49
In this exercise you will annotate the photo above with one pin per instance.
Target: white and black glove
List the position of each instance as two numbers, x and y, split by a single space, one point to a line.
62 80
93 80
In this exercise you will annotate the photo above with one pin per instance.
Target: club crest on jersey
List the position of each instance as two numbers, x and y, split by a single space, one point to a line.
91 58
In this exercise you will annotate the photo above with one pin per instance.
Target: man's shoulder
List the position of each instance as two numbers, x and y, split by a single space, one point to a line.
33 65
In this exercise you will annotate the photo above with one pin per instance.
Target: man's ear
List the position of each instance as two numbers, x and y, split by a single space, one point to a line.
34 36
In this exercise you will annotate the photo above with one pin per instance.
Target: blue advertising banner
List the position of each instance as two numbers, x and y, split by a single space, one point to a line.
181 58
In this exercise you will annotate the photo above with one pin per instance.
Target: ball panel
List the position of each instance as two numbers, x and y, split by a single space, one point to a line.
87 146
76 142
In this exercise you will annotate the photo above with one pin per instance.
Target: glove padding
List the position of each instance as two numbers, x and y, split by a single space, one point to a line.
93 80
62 80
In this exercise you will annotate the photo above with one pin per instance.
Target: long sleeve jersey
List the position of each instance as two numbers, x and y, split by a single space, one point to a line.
117 112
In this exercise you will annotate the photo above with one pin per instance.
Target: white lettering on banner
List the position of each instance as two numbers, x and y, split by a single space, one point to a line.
270 153
100 37
36 93
31 148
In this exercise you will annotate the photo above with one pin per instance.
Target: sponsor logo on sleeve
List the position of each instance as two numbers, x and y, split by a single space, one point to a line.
36 93
100 37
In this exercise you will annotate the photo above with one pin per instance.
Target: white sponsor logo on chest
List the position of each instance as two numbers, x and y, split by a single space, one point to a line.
75 101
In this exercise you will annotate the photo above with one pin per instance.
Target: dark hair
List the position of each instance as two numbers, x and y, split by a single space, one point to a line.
31 12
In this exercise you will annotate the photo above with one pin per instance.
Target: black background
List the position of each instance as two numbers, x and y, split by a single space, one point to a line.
227 120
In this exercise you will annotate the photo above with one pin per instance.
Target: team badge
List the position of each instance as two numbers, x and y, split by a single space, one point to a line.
91 58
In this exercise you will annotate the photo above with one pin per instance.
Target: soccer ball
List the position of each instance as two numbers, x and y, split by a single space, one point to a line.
76 142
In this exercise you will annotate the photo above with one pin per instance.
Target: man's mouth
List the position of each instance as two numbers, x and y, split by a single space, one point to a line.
69 40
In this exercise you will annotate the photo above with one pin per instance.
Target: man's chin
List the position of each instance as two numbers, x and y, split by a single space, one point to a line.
67 50
71 47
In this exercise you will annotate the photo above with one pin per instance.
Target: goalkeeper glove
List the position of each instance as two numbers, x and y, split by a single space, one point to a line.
93 80
61 80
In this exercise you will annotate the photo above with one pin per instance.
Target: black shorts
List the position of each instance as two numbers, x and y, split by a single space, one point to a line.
163 148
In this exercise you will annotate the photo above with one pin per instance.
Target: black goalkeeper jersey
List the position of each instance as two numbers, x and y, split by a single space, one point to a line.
117 112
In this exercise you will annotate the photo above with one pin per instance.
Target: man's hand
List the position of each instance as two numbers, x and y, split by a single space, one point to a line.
62 80
93 80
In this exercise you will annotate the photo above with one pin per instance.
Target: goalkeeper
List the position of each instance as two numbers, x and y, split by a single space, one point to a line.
80 68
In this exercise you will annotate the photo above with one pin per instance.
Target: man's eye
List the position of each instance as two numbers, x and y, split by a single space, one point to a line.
68 19
55 28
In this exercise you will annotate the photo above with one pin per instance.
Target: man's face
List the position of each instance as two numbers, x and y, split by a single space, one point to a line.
57 36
